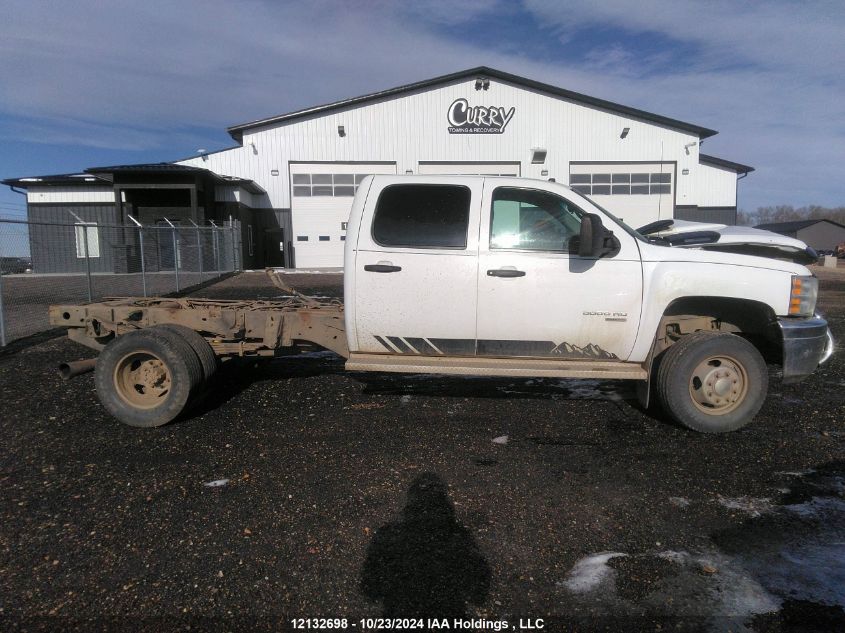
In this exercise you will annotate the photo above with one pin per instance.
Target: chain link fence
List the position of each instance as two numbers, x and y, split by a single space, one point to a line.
44 263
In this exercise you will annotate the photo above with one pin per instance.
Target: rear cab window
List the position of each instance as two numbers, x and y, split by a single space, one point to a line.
422 216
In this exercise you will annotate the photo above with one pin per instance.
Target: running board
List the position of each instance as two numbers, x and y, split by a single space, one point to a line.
482 366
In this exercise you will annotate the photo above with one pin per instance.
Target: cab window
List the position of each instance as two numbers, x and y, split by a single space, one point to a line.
530 219
422 216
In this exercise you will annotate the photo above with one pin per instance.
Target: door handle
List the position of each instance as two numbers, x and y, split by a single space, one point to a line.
505 272
382 268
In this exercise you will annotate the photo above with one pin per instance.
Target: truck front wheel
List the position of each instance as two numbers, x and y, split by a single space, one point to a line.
145 378
712 382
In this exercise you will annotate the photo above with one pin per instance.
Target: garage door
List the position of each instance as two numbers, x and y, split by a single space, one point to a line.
638 193
321 197
470 169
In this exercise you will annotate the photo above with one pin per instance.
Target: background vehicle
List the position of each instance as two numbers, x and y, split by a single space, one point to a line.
472 275
15 265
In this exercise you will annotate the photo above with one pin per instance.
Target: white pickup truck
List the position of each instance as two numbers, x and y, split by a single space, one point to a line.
488 276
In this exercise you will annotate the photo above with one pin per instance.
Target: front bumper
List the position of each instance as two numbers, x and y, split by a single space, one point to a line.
807 342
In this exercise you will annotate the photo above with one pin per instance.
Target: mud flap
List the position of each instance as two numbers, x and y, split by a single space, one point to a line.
644 392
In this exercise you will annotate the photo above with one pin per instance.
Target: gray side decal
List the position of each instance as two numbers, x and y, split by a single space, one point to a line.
543 349
400 345
505 348
422 346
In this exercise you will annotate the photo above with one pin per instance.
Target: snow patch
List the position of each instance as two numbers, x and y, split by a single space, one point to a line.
590 572
674 557
753 506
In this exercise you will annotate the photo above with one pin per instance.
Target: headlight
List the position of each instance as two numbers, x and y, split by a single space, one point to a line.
802 299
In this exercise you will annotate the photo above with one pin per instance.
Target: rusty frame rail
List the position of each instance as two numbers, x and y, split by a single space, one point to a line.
232 328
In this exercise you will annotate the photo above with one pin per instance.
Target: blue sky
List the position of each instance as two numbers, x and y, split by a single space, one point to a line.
96 83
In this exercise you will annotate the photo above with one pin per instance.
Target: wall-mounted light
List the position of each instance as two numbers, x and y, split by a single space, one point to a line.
538 155
341 131
625 131
409 171
482 83
544 172
274 172
202 152
685 172
254 148
688 145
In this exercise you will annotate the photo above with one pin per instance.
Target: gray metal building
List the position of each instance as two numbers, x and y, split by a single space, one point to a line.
822 235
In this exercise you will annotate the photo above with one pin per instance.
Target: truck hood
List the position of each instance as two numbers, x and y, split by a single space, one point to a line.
743 256
737 239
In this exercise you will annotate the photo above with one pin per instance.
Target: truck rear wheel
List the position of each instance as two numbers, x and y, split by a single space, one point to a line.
712 382
201 348
145 378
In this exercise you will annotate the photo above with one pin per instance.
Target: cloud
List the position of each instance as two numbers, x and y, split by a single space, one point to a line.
151 74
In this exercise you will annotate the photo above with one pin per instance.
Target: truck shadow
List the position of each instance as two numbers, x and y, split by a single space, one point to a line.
236 375
481 387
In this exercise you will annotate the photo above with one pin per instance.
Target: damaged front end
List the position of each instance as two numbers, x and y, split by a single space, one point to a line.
739 240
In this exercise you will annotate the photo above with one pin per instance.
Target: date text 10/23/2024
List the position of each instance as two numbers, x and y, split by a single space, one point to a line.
418 624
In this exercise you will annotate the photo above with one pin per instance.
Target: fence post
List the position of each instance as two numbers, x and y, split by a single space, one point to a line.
216 245
141 246
232 237
2 316
175 252
199 247
87 261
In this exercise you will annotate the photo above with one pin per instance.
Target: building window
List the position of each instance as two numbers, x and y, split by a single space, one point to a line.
622 184
343 225
324 238
422 216
301 238
335 185
342 238
90 231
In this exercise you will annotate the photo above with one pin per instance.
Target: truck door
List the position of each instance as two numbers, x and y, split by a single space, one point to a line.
535 297
416 267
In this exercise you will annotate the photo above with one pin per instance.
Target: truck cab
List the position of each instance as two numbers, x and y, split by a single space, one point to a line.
490 267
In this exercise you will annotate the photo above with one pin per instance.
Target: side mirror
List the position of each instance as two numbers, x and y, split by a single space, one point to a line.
594 240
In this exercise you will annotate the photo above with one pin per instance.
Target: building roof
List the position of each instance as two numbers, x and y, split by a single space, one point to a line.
721 162
104 176
236 131
174 168
148 168
796 225
55 180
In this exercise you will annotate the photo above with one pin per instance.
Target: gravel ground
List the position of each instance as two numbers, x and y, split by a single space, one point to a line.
351 496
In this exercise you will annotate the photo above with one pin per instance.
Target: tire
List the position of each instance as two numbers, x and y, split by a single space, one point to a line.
712 382
145 378
201 348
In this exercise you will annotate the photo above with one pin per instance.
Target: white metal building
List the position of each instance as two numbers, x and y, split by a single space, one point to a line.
639 165
303 167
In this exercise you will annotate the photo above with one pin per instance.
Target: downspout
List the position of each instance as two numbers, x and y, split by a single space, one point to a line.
736 194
